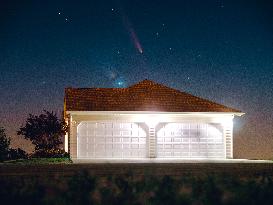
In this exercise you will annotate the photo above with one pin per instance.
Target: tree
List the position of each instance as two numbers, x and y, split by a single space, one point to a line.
44 131
4 145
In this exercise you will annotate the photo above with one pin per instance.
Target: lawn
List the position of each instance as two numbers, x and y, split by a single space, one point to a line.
38 161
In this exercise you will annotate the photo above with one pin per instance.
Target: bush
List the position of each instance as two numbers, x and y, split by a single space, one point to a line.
17 154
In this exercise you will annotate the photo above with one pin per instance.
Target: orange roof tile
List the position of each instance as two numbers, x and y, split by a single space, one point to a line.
143 96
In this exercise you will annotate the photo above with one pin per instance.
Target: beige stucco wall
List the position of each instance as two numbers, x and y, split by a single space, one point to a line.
76 118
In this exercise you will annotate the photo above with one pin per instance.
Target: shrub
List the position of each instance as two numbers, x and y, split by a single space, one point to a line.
17 154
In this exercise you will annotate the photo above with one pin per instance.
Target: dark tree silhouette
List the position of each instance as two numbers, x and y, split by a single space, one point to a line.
44 131
4 145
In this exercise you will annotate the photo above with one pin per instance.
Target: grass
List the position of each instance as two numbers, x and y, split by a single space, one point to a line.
39 161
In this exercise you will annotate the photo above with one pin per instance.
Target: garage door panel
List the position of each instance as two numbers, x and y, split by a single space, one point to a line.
111 140
177 139
177 146
142 146
128 125
82 146
108 132
195 140
142 140
100 139
185 154
186 140
116 132
100 132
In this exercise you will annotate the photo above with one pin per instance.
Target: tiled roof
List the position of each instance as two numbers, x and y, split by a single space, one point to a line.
143 96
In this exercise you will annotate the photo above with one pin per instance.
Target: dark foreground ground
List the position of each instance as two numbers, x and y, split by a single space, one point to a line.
159 169
187 183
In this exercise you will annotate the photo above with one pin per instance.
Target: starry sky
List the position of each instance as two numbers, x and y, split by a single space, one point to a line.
221 50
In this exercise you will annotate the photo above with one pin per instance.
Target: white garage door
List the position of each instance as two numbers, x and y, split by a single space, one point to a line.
111 140
190 140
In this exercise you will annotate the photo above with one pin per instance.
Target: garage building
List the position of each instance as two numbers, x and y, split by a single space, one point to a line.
146 121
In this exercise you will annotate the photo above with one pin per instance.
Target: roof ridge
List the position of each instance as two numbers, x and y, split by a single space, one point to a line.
143 82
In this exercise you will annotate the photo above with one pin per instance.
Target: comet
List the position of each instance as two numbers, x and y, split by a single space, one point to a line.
129 27
135 40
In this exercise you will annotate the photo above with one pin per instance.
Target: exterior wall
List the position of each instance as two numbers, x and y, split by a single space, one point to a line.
150 120
73 138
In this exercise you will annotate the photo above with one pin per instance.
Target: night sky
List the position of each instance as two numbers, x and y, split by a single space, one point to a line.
220 50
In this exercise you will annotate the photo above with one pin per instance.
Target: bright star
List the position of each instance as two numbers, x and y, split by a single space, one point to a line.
120 82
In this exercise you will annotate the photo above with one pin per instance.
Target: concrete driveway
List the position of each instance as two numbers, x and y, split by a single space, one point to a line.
169 161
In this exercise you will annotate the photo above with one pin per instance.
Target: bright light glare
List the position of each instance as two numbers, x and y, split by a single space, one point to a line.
151 121
227 121
66 142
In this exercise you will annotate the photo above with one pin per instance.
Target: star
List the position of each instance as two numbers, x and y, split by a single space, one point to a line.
119 82
170 48
66 19
59 13
112 9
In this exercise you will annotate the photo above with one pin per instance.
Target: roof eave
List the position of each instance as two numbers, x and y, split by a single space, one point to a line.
239 114
151 112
